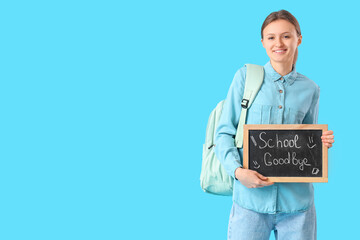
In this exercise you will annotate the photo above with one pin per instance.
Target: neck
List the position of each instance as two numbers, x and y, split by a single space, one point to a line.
282 68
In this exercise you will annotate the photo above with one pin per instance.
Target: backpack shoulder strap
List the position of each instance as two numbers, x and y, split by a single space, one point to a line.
253 81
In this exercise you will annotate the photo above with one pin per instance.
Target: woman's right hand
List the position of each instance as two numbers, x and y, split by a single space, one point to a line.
251 179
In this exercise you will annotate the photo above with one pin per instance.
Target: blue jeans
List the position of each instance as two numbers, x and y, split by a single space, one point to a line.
245 224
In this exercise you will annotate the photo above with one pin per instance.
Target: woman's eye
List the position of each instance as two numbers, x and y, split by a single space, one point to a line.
270 38
287 36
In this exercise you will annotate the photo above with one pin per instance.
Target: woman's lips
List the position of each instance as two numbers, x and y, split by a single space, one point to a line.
282 51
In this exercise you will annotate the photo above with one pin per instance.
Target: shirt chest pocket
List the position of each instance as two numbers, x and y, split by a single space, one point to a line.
266 114
294 116
259 114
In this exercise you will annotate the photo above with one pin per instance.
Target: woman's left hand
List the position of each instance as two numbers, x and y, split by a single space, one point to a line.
328 138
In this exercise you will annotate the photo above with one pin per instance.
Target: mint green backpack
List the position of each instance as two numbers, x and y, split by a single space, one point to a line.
213 177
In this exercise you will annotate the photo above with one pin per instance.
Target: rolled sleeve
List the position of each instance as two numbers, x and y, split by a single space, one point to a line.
225 148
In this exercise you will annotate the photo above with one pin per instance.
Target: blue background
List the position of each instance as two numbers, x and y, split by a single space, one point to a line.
104 106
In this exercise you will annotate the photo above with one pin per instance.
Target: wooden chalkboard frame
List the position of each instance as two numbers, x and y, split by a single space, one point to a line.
323 127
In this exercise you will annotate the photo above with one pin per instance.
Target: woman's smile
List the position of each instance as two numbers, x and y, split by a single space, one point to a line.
280 51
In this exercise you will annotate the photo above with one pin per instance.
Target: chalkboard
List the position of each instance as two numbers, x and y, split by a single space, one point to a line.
286 152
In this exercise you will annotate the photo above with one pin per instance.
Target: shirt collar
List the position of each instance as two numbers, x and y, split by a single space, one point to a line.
275 76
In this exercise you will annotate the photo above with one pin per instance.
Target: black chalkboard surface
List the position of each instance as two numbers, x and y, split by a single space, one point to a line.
286 152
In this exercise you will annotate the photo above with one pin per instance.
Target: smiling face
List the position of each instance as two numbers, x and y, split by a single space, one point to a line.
281 41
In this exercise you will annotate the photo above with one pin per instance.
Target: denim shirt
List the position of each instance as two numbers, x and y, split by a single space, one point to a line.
291 99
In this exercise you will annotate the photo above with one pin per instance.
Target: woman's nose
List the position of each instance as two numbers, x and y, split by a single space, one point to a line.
279 42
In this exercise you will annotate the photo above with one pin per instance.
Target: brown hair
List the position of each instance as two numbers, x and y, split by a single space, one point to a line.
282 14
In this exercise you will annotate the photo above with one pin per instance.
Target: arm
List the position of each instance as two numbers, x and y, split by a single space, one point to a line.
225 148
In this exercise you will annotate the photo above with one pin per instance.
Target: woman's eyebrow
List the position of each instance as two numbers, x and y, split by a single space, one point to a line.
280 33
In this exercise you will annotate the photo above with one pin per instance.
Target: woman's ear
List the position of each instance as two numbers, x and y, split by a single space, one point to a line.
299 40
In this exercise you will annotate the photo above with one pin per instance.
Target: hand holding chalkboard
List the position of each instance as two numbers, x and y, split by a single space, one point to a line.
286 153
251 179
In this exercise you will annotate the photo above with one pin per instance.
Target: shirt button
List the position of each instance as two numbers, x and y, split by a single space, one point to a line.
280 106
280 91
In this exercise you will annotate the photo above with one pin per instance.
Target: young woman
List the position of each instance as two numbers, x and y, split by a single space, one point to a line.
286 97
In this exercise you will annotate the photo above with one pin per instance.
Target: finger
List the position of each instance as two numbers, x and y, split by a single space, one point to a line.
261 176
330 132
330 137
327 136
256 185
328 140
329 145
263 181
267 183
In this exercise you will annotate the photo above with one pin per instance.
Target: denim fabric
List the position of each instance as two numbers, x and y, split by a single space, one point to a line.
291 99
245 224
